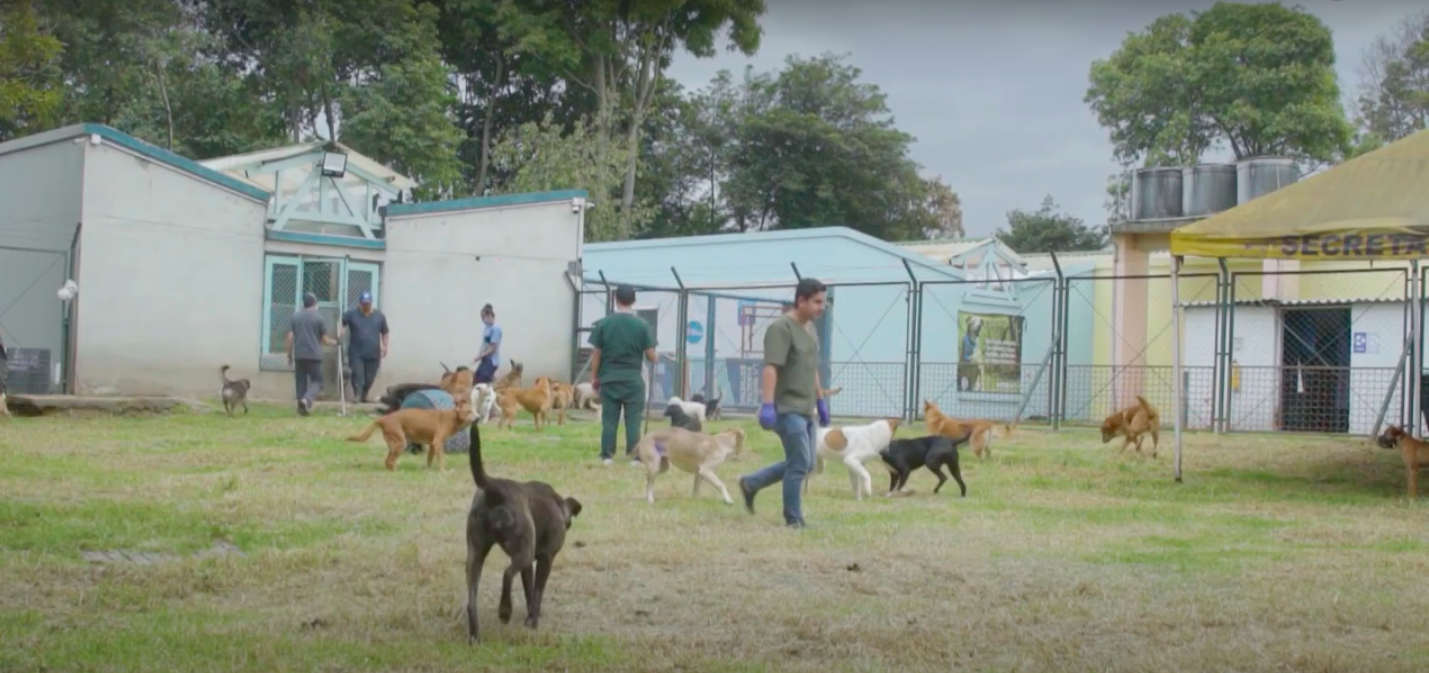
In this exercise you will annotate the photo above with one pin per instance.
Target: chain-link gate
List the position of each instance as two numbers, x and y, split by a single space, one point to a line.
337 283
32 318
1127 322
726 350
1328 365
986 347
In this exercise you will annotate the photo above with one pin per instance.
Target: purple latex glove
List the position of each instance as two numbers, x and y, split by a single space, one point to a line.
823 407
767 416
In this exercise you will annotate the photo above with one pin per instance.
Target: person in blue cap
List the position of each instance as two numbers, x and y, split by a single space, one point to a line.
366 330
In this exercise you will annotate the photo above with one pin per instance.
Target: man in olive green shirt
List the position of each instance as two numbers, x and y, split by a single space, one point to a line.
622 341
791 398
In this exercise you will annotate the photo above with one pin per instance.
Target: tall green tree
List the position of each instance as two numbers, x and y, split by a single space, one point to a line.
30 73
618 50
1047 229
1393 100
1256 78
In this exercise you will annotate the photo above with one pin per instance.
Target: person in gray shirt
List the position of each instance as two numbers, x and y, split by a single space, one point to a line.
306 337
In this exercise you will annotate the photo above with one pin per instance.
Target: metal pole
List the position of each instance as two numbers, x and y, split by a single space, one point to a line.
1055 401
1219 422
1176 353
911 374
1416 327
682 312
795 267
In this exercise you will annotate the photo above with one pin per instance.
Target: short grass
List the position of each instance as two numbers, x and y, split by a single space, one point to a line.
1276 554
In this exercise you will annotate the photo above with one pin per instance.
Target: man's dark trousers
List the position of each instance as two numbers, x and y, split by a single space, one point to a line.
617 397
364 374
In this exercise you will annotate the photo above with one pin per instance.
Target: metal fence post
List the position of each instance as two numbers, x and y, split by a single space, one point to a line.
915 336
682 333
1056 393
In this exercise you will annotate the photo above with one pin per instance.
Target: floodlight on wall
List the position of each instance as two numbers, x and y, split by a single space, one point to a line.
334 164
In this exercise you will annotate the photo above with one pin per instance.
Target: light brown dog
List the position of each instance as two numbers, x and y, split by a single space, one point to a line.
511 379
536 400
693 452
457 383
420 426
563 398
1414 452
978 433
1133 423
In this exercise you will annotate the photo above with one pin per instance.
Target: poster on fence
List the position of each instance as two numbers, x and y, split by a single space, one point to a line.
989 353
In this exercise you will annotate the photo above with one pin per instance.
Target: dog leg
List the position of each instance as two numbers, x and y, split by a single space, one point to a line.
396 441
708 475
543 573
935 464
651 471
957 473
503 611
528 590
863 480
694 494
476 551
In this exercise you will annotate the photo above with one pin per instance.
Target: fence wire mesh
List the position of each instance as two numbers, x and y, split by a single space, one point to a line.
1046 349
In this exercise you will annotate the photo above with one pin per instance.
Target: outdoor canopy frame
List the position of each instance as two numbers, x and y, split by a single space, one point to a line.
1372 207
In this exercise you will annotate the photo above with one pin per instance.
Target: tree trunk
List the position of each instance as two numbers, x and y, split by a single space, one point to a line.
644 86
496 84
168 108
329 114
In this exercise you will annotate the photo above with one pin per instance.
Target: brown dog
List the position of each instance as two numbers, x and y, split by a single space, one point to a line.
457 383
977 433
528 520
536 400
511 379
563 398
420 426
693 452
1414 452
1133 423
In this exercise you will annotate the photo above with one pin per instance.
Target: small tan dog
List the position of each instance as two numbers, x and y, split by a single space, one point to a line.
420 426
693 452
1414 452
563 398
511 379
978 433
1133 423
536 400
457 383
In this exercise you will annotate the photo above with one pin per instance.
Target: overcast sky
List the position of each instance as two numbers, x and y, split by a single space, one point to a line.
993 90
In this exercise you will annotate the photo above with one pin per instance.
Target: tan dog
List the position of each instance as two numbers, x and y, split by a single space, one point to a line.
511 379
693 452
978 433
1414 452
563 398
1133 423
536 400
457 383
420 426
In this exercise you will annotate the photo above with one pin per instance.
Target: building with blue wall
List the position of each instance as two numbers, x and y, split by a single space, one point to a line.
737 283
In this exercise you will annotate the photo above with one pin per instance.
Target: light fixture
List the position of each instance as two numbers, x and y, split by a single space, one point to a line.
334 164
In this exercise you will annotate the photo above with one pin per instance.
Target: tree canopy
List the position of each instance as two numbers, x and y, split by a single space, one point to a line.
1049 230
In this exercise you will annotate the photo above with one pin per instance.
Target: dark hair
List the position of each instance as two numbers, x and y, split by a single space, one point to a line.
808 287
487 310
625 295
309 300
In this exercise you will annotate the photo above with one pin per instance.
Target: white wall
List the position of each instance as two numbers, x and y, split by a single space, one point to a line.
171 280
1371 371
442 267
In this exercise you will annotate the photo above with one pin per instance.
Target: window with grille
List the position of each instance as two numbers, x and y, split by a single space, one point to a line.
336 282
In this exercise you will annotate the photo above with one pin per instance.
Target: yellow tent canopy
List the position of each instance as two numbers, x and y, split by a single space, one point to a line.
1375 206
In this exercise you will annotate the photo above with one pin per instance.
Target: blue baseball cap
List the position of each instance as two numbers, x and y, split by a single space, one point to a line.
365 297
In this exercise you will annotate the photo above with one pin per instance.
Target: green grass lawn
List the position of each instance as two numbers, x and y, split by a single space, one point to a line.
1276 554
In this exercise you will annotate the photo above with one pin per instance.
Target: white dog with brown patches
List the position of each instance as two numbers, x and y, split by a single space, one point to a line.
853 445
693 452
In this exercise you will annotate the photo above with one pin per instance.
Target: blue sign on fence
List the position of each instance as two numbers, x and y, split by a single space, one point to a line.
1361 342
695 331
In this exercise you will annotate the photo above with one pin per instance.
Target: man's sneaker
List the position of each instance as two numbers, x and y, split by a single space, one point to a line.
797 525
606 461
302 407
748 494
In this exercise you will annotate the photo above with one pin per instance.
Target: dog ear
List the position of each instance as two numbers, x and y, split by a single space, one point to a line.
574 506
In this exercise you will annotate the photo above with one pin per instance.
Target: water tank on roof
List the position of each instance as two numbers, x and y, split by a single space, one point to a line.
1156 193
1257 176
1207 189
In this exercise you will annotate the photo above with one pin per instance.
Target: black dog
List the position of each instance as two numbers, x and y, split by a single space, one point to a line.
529 521
711 407
397 394
904 456
680 419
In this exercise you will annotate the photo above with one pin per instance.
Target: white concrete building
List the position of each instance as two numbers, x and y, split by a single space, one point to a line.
185 266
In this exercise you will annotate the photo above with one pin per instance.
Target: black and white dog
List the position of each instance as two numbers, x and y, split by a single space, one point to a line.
711 406
680 419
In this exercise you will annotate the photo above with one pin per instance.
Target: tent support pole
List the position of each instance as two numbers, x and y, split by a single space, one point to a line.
1176 382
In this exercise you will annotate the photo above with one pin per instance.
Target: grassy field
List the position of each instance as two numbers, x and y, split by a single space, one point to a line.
1276 554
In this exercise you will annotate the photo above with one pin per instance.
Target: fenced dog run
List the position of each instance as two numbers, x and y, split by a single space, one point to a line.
1048 348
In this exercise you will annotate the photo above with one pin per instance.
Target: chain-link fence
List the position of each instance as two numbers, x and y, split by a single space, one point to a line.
1118 336
1051 349
986 348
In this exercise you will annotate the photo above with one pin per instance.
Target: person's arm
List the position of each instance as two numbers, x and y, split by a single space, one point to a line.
595 363
777 343
384 336
650 354
324 336
595 342
288 345
818 386
344 324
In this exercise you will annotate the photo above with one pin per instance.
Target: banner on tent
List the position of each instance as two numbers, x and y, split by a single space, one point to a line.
1354 244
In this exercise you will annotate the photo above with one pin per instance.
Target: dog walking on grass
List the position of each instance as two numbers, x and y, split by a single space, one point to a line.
528 520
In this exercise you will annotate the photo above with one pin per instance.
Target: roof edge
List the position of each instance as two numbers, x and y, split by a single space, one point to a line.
482 202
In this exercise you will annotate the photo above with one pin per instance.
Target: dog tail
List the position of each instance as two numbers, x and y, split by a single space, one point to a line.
223 374
478 472
1150 409
362 436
